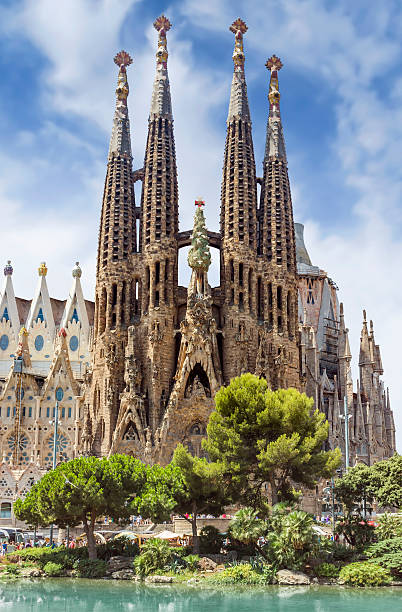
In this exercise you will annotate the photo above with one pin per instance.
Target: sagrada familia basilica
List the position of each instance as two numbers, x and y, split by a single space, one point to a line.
136 371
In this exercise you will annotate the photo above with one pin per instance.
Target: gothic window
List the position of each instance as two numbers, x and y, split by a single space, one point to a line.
40 316
39 342
310 296
5 314
61 450
4 342
21 445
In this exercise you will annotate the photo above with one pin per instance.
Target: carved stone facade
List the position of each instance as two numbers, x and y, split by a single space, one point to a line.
138 370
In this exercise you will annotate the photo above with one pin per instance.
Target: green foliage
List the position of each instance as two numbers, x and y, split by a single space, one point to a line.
272 436
90 568
336 551
357 533
211 540
353 487
240 574
391 561
53 569
41 556
292 539
327 570
155 555
247 528
83 490
117 547
364 574
386 482
389 526
158 497
393 545
192 562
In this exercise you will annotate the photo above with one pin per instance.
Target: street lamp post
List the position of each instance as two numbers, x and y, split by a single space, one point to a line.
345 417
56 424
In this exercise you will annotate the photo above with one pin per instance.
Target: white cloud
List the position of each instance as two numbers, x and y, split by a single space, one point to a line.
350 48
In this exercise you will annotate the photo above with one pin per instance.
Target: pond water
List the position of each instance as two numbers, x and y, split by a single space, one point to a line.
110 596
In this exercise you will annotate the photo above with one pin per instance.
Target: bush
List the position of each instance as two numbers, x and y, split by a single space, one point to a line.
357 533
239 574
392 562
117 547
389 526
210 540
40 556
90 568
393 545
53 569
155 555
327 570
292 540
364 574
192 562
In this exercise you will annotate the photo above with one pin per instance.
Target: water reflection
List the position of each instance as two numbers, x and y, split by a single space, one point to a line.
110 596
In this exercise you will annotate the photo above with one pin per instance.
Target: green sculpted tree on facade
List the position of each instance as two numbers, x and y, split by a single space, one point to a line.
263 436
199 255
83 490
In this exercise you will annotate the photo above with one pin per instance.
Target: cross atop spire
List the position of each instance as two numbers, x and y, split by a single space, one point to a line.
238 28
275 145
162 25
120 142
238 106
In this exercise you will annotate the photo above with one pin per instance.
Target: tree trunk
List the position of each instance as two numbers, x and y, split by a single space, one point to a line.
89 531
274 491
196 543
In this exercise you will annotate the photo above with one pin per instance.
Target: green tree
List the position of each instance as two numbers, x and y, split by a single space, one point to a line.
386 482
82 490
204 490
291 539
353 490
268 436
247 528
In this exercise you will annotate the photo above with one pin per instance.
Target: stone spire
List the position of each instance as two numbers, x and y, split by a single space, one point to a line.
275 142
161 105
277 235
117 236
120 142
239 191
238 105
160 190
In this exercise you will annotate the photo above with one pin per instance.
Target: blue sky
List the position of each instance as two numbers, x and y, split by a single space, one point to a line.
341 89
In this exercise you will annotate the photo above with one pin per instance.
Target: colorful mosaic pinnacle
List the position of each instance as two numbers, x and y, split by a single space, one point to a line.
274 64
238 28
162 25
122 59
42 270
8 269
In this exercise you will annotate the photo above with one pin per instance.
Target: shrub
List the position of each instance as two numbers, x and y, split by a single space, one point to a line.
41 556
210 540
327 570
356 532
392 562
53 569
155 555
393 545
389 526
239 574
292 540
117 547
364 574
192 562
90 568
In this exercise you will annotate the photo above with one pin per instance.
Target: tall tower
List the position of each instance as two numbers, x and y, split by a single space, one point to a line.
113 299
277 286
238 224
159 227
